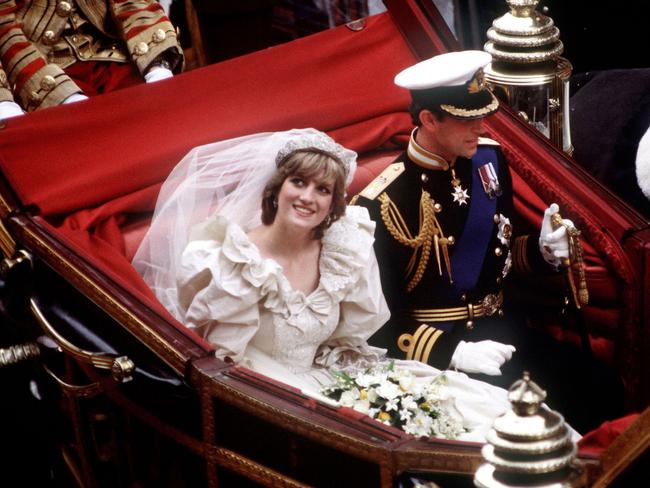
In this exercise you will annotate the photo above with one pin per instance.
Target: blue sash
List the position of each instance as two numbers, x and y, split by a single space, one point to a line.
469 253
470 249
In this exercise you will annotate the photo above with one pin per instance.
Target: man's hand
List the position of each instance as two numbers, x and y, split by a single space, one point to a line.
484 357
9 109
554 244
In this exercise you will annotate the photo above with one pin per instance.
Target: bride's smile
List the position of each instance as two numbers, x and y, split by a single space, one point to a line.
305 202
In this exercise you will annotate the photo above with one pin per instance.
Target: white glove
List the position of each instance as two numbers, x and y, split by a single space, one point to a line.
485 357
75 97
157 73
554 244
9 109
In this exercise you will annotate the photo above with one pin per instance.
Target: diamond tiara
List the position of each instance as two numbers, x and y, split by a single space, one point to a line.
319 142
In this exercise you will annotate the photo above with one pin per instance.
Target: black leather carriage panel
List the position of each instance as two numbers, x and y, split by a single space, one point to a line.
155 385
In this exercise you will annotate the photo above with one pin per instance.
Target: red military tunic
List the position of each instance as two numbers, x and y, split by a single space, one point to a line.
40 39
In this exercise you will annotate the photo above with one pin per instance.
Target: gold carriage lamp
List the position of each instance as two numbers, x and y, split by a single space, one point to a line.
527 71
529 445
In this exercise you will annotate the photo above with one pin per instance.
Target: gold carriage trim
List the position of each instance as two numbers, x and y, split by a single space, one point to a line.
476 112
490 304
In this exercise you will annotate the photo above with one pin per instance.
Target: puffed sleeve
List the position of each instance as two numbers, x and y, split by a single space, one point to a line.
363 310
218 303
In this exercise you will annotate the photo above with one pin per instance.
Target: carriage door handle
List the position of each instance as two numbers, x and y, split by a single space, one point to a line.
121 367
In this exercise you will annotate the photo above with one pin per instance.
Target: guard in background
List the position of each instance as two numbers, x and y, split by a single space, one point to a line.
60 51
445 244
610 127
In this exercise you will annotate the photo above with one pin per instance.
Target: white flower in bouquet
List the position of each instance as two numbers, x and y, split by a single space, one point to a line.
408 403
388 390
362 406
405 415
391 405
349 397
406 382
364 380
420 425
396 397
373 396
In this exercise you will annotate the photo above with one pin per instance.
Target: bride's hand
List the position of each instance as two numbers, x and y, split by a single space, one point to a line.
484 357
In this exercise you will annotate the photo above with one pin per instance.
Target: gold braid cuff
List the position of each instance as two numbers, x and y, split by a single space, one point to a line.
418 346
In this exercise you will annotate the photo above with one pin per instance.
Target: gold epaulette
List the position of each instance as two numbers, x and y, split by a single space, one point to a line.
488 141
381 182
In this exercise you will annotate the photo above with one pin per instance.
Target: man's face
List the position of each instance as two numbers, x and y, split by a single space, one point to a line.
452 138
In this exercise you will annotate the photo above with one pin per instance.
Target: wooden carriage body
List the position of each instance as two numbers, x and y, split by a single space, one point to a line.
78 189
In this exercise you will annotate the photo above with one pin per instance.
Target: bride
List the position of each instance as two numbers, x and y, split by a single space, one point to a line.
253 247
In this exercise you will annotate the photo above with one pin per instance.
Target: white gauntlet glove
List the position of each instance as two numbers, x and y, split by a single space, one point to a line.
9 109
485 357
554 244
157 73
75 97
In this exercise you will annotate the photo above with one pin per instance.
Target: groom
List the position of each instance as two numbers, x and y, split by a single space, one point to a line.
446 244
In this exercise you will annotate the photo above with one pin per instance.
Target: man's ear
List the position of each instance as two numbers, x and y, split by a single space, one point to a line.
427 119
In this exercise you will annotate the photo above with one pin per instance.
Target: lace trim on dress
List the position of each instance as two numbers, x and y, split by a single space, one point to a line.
346 249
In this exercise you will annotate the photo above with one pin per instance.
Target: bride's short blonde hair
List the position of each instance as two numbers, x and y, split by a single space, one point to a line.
308 164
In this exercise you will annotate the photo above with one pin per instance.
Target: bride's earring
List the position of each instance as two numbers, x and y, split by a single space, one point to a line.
275 202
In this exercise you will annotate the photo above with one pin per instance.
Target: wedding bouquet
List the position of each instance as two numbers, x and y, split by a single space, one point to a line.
396 397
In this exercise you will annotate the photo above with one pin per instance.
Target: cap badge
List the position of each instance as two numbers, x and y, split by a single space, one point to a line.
477 83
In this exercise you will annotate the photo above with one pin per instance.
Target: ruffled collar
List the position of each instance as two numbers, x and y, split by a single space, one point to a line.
346 248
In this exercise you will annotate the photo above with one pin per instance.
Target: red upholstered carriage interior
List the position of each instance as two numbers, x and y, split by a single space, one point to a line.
94 168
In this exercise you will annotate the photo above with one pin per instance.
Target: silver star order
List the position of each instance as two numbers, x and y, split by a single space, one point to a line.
460 195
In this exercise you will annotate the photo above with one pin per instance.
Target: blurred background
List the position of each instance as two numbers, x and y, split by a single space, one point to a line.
596 36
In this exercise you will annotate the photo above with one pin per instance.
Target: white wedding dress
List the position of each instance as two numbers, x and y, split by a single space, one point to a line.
244 305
